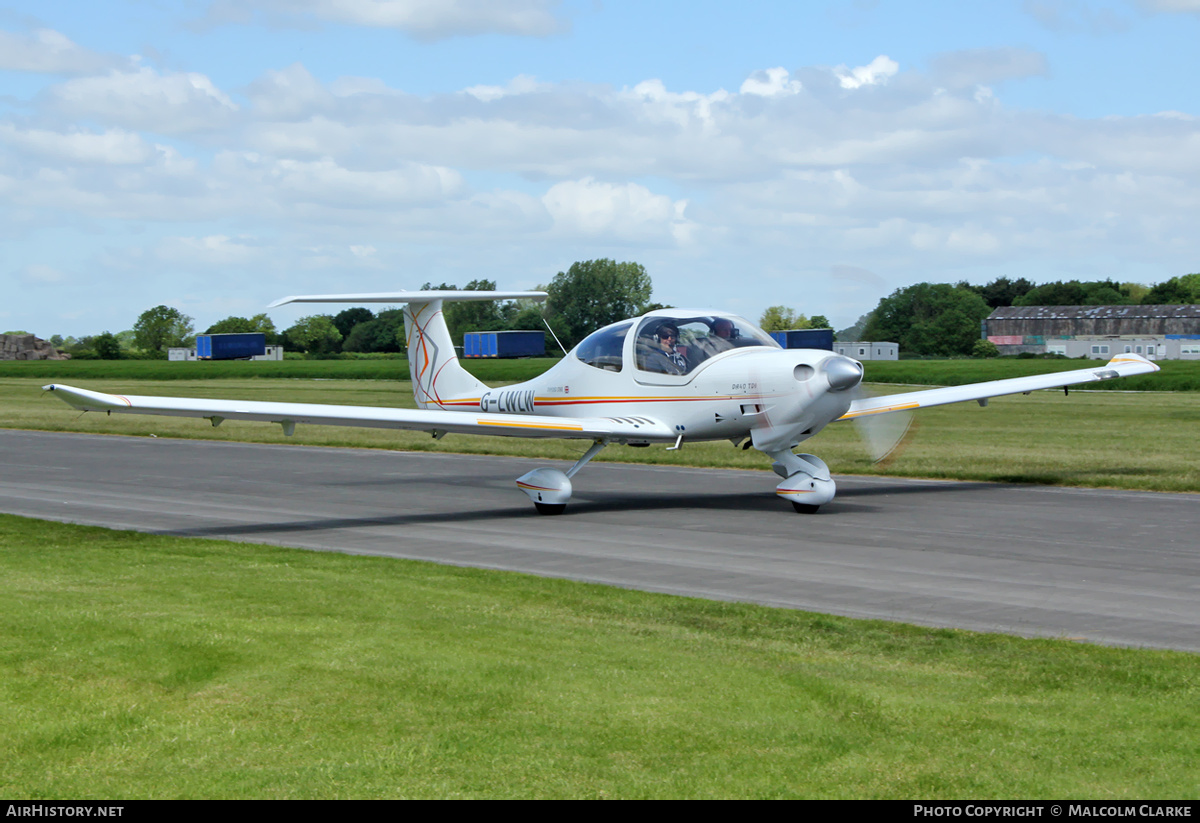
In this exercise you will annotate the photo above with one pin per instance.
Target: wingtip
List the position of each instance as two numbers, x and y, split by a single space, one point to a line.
1148 366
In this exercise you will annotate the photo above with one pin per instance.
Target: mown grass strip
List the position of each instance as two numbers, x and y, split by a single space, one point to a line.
376 369
1176 375
136 665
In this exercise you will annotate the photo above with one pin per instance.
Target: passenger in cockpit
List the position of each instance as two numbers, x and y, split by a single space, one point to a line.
721 336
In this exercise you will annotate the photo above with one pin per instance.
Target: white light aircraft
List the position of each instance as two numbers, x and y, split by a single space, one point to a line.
671 376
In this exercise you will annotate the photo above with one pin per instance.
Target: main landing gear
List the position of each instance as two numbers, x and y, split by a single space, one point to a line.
550 489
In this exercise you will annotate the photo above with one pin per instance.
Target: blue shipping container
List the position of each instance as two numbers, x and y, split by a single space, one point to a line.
804 339
230 346
504 344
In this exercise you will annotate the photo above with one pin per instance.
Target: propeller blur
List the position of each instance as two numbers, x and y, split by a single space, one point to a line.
671 376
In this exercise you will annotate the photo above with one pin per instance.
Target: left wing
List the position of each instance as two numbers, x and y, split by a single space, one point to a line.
1123 365
637 429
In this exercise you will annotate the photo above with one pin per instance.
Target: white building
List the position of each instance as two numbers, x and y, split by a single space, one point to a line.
272 353
869 351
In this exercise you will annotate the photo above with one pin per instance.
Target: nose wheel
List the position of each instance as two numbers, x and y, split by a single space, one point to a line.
807 484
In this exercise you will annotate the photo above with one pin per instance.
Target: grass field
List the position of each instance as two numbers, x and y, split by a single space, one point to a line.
1176 375
1111 439
146 666
135 665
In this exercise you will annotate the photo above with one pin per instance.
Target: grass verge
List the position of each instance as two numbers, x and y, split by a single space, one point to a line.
137 666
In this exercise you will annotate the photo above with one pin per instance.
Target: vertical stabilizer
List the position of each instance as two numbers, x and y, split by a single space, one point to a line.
437 376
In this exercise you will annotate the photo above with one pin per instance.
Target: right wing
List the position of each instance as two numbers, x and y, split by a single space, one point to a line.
637 429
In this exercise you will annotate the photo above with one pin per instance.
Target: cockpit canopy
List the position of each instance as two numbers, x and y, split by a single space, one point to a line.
670 342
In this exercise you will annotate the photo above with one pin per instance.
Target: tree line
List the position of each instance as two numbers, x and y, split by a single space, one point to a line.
933 319
940 319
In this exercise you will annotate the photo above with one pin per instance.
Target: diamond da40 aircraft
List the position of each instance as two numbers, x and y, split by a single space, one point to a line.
670 376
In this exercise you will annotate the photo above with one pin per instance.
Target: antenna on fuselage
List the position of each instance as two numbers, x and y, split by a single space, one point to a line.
555 336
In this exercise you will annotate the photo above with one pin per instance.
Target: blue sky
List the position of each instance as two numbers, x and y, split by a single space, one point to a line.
215 156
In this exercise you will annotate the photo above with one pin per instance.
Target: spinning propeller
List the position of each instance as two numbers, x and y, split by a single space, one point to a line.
881 434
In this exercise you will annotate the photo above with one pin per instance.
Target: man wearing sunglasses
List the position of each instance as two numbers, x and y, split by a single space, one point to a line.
662 356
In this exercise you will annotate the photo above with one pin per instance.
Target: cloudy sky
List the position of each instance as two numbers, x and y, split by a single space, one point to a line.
216 155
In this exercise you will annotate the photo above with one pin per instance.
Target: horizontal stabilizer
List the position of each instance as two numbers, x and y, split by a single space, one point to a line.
411 297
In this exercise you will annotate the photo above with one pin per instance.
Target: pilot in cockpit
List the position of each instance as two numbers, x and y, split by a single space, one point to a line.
662 355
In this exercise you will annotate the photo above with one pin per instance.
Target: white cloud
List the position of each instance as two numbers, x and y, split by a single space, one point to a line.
1077 16
627 212
965 69
876 72
173 103
422 19
50 52
1192 6
521 84
39 273
112 147
289 94
212 250
770 83
326 183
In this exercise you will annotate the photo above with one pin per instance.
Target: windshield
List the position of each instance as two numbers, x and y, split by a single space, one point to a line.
602 349
677 345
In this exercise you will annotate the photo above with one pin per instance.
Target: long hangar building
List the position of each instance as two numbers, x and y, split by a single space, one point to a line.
1157 332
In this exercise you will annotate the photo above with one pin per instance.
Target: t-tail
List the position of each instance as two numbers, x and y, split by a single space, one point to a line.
438 378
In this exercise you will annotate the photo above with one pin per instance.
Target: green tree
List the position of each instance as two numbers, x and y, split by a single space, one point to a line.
523 315
855 332
1177 290
819 321
984 348
162 327
314 334
347 319
1076 293
107 346
473 315
259 323
781 318
383 333
1135 291
594 293
929 318
1002 291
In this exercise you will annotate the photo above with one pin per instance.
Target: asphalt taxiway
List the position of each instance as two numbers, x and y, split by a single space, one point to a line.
1104 566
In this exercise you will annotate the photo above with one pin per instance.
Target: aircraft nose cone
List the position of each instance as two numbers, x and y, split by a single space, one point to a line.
842 372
